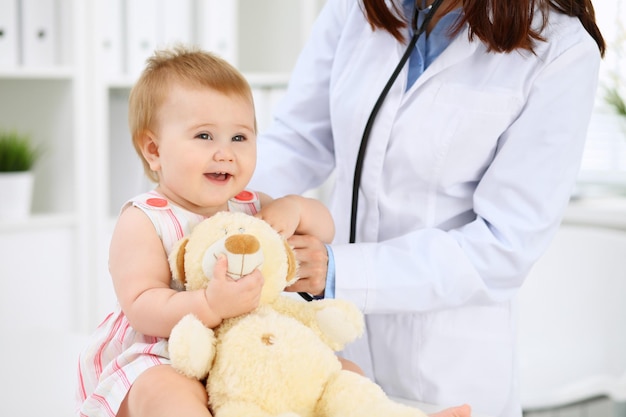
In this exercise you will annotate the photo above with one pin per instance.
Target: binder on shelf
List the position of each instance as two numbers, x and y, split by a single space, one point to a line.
262 107
109 37
8 34
38 33
175 20
141 34
217 28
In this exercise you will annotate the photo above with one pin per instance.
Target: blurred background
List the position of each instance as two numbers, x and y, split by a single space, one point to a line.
66 69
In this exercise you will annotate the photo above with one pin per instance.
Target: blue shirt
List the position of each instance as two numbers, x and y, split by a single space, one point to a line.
427 49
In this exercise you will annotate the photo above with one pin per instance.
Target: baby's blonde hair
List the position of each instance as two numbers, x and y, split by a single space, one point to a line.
180 64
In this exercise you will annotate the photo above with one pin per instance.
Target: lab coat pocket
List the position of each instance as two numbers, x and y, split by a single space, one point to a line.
480 119
481 116
475 100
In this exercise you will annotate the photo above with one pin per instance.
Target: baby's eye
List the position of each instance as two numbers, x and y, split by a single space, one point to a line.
204 136
238 138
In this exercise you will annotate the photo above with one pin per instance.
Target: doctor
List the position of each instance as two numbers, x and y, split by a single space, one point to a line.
466 172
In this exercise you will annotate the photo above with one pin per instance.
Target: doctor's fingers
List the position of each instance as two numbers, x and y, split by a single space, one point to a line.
308 242
312 278
313 286
312 257
310 251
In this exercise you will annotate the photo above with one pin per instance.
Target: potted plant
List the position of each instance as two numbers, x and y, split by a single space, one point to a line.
18 155
615 100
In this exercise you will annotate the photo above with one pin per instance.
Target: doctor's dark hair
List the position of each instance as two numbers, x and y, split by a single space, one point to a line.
182 65
503 26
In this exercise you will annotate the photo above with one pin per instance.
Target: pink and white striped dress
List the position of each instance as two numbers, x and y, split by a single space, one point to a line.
117 354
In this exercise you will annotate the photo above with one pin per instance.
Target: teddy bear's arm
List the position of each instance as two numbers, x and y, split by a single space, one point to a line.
192 347
337 322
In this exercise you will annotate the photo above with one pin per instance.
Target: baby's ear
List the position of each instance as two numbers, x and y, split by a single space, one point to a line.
150 150
177 263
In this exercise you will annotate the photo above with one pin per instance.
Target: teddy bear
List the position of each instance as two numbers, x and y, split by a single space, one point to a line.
278 360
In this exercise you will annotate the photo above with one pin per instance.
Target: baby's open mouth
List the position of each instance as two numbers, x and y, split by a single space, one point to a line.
218 176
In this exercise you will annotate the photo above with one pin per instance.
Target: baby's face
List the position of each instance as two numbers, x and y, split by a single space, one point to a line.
206 147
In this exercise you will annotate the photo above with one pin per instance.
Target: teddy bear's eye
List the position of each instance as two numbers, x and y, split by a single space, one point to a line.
242 230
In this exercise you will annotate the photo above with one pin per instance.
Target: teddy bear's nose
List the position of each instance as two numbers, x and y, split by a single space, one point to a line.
242 244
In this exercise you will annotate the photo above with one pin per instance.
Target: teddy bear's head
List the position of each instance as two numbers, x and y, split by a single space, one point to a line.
248 243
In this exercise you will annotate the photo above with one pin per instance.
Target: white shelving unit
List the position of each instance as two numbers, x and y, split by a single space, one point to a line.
43 257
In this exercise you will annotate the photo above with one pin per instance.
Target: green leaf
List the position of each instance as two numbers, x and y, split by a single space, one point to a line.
17 153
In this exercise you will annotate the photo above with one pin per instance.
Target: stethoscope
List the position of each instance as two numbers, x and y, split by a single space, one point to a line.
417 32
358 169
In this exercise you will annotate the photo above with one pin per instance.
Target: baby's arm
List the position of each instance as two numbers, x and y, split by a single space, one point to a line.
141 277
294 214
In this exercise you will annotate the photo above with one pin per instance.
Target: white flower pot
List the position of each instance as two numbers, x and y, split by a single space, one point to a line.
16 195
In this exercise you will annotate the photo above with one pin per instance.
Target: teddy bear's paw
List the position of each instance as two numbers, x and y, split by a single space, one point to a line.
348 394
338 327
192 347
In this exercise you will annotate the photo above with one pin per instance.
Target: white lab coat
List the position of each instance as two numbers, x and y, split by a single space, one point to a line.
466 177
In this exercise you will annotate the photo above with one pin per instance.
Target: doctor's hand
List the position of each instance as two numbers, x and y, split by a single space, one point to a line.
312 256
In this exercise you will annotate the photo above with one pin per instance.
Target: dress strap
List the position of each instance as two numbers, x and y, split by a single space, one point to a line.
246 202
171 222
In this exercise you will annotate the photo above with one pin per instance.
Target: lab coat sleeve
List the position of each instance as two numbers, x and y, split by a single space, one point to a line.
296 153
518 203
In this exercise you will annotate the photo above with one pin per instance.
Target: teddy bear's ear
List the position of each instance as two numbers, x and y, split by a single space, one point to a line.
177 262
292 265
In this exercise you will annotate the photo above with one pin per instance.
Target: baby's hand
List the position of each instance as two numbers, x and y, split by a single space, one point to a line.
229 298
283 214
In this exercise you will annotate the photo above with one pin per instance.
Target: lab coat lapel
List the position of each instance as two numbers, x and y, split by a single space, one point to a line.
458 50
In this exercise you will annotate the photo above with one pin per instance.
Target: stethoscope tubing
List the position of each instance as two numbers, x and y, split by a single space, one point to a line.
358 169
417 32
